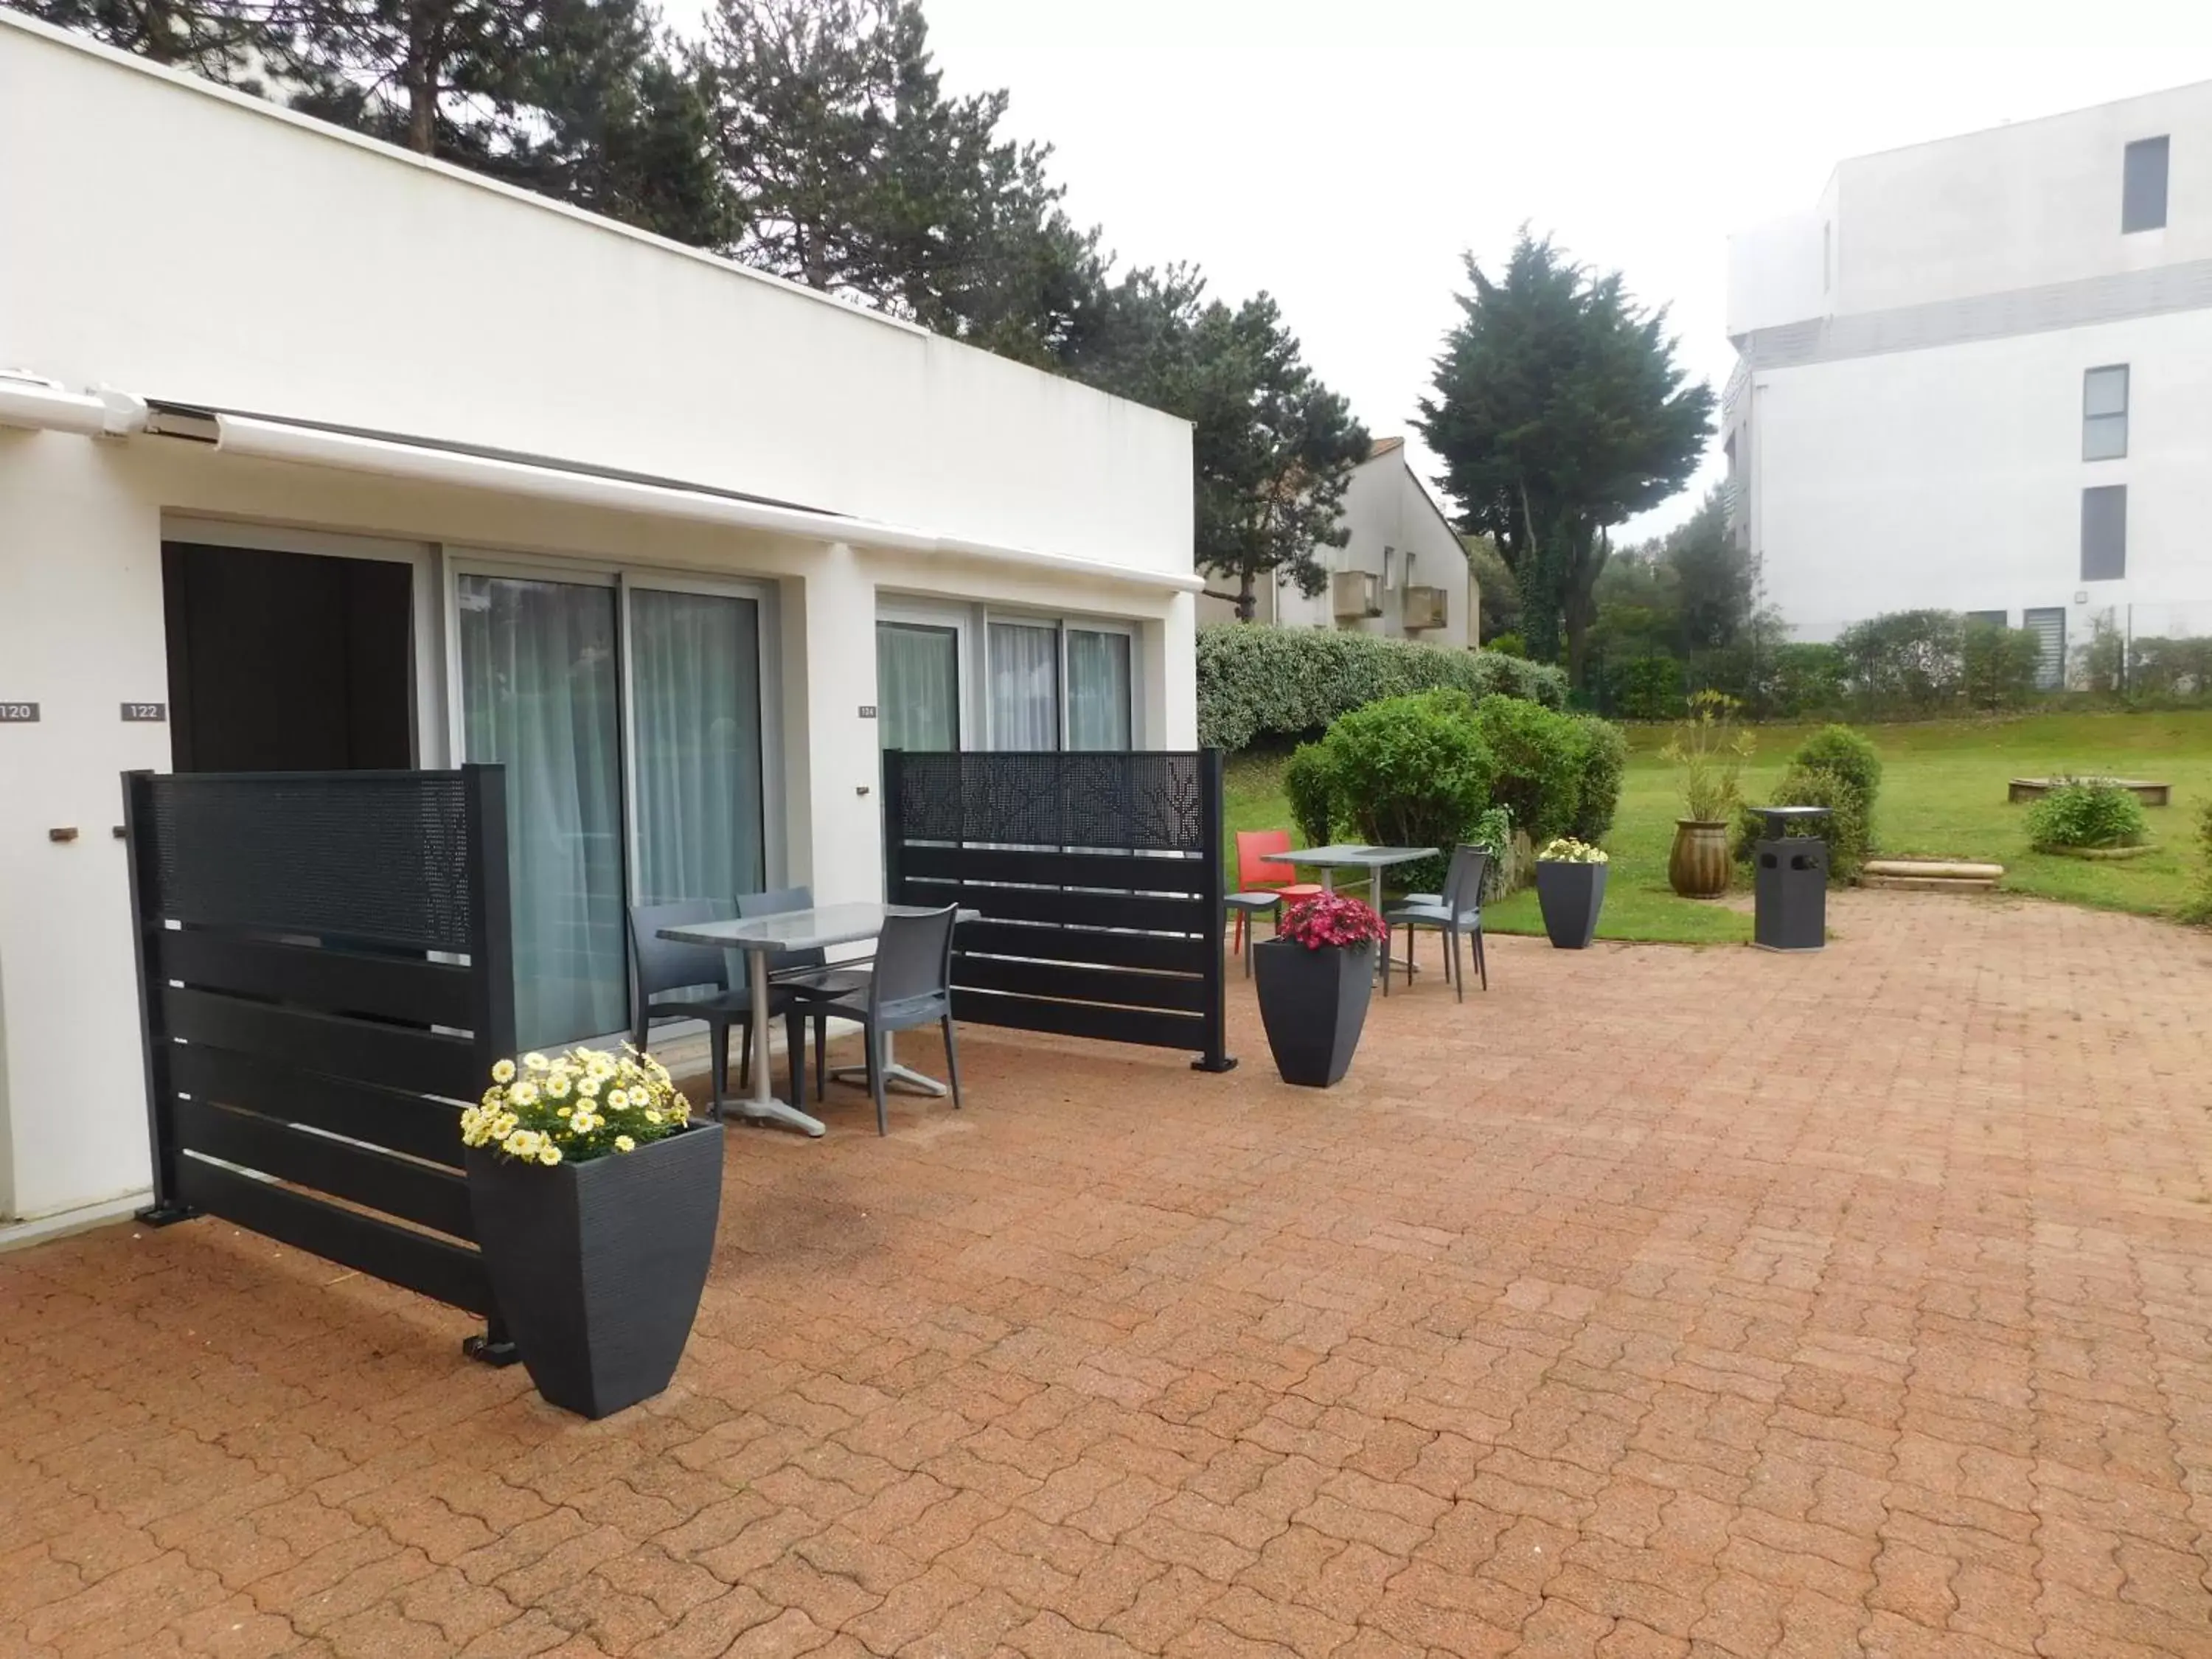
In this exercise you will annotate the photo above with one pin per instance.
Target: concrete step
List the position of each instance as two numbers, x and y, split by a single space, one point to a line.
1932 883
1937 869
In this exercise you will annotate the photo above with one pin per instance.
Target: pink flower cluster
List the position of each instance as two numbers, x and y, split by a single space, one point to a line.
1332 918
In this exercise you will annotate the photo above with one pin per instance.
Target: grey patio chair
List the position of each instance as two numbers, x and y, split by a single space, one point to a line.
806 977
1457 910
909 986
691 981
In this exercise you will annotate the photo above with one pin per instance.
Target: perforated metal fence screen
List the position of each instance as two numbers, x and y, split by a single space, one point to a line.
324 978
1098 882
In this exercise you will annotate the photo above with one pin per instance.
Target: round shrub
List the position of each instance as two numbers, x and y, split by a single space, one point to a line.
2087 812
1846 829
1605 760
1310 784
1848 754
1410 772
1540 755
1509 645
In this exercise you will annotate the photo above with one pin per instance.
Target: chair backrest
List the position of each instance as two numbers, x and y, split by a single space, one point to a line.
782 901
1463 880
1255 866
663 964
914 958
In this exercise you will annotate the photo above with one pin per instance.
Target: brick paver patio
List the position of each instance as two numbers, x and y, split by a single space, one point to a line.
1657 1302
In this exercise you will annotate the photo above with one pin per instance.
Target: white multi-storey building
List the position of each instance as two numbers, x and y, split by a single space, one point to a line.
1977 376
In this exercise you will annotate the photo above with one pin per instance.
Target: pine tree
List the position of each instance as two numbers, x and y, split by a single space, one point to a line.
1560 412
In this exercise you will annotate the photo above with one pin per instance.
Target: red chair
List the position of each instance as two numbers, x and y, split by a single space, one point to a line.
1265 881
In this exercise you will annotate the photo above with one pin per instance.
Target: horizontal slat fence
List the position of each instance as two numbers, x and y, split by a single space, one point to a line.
325 980
1097 879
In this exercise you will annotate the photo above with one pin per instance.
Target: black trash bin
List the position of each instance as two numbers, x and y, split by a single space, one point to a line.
1790 882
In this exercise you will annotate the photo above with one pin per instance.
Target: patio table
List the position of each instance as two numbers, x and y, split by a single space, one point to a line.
759 938
1341 855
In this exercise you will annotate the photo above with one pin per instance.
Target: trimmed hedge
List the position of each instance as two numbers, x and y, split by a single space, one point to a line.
1836 767
1605 760
1541 753
1256 682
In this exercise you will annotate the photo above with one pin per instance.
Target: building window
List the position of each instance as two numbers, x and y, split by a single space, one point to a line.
918 686
1412 560
2142 186
1828 256
1098 672
1390 567
1994 618
2049 626
1024 680
2105 413
2105 534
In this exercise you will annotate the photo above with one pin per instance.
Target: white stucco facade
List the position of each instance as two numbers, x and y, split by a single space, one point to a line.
1400 537
1909 425
665 420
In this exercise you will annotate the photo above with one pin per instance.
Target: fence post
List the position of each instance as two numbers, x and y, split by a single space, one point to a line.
894 838
1210 814
491 973
145 867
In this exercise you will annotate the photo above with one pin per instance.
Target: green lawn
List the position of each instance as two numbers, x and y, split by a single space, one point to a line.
1942 796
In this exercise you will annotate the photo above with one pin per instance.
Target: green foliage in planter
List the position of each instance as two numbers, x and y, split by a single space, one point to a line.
1256 682
2087 812
1540 755
1310 785
1846 829
1605 761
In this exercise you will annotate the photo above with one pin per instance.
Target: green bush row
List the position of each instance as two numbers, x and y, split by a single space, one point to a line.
1429 769
1256 683
1836 767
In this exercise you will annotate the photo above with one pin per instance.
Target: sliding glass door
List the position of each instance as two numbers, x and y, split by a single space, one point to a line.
695 716
562 681
917 686
1024 676
1098 690
540 694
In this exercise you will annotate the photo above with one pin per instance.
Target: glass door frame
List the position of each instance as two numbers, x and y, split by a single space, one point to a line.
1060 622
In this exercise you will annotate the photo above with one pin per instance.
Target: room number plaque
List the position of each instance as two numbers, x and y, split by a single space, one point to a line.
17 713
145 711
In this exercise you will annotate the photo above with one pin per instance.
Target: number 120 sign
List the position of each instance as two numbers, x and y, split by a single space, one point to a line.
17 713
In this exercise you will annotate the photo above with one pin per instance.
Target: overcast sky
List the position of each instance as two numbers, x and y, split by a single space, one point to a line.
1344 156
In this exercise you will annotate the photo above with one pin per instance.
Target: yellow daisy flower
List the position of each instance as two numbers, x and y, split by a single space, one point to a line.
502 1070
625 1144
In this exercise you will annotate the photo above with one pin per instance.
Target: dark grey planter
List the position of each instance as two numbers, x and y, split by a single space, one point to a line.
597 1267
1570 895
1313 1004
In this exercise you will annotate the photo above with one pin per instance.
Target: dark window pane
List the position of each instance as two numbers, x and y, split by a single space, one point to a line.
2105 391
2103 437
2105 534
2143 191
1994 618
2049 628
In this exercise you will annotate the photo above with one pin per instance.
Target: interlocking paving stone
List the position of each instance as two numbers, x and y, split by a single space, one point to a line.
1656 1302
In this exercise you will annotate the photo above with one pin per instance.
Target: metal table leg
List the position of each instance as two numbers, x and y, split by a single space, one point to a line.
761 1105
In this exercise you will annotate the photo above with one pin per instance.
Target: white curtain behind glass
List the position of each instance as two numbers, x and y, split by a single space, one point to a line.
917 686
694 716
1097 689
539 690
1024 686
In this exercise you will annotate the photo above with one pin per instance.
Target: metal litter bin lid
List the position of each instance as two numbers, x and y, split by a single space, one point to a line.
1779 818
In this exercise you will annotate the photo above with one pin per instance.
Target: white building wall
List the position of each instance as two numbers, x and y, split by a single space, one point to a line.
177 242
1906 418
1953 477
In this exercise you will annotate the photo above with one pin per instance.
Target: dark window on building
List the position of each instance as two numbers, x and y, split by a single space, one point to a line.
2143 185
2049 628
2105 413
2105 534
1994 618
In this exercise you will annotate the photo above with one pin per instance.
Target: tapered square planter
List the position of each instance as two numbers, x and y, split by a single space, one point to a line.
1570 895
597 1267
1313 1004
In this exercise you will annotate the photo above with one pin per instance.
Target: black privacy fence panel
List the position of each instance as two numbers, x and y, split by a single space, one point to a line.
1097 882
324 979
